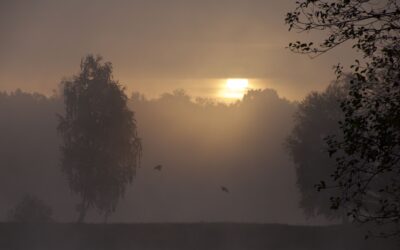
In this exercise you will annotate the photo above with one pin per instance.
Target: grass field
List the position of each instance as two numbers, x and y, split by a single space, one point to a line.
201 236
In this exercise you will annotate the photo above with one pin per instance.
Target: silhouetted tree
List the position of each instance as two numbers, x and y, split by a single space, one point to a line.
100 147
316 117
368 156
30 210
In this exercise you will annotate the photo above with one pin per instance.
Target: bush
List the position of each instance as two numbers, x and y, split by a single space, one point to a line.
30 209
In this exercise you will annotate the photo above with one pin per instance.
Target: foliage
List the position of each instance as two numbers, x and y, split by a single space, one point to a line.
368 169
30 209
315 118
371 25
100 147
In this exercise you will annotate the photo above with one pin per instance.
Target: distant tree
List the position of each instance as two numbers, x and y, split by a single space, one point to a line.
30 209
316 117
100 147
367 157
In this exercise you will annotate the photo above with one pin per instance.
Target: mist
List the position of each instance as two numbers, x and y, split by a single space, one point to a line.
201 144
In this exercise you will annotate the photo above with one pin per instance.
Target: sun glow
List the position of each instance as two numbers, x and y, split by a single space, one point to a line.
237 84
235 88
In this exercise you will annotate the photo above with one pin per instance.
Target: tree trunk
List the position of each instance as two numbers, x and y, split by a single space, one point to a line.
345 217
82 213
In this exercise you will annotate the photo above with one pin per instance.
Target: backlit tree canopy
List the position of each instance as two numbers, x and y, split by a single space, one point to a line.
100 147
316 117
368 156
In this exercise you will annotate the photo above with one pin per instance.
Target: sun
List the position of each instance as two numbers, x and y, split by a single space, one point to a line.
237 84
235 88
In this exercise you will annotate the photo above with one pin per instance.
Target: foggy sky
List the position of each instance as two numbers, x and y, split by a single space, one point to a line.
158 46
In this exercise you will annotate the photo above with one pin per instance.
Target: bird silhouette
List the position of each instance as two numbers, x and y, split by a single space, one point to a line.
158 167
225 189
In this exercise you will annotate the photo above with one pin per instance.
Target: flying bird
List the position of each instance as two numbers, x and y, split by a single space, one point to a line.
158 167
225 189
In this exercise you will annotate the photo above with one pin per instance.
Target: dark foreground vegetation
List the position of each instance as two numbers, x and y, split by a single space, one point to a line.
205 236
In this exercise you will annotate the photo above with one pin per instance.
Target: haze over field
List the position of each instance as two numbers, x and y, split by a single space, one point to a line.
201 147
206 48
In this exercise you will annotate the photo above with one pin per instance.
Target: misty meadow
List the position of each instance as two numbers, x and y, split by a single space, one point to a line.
200 124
